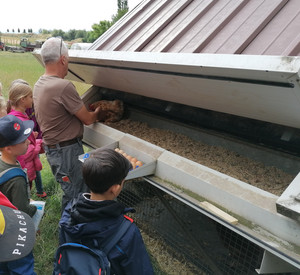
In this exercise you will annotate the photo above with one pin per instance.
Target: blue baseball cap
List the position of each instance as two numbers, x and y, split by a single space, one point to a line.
14 131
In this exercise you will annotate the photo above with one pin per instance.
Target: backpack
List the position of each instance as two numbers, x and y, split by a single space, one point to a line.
11 173
78 259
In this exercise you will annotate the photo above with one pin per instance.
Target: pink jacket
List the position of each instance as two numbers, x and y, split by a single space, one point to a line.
30 160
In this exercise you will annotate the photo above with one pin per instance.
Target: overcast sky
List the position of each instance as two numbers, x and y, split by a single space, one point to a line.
56 14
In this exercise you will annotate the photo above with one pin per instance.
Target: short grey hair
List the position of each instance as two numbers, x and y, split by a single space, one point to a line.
52 49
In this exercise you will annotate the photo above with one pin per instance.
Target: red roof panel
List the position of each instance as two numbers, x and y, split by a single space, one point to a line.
260 27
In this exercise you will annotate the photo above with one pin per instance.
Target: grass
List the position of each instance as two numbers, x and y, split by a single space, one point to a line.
18 65
25 66
47 241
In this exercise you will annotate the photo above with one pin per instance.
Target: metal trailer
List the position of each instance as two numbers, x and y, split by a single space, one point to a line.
145 60
267 88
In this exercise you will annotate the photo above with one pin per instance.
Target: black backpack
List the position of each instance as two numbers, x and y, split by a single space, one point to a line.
78 259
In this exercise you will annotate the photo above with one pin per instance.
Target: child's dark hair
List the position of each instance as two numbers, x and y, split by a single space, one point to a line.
104 168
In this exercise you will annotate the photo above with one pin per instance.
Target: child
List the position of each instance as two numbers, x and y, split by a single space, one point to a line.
15 257
96 215
13 143
20 99
30 111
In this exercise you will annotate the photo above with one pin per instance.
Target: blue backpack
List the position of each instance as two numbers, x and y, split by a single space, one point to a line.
78 259
11 173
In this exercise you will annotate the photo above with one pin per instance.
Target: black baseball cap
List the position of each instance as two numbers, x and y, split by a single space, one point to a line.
14 131
17 234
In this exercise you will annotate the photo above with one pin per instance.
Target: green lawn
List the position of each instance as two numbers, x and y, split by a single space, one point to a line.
18 65
27 67
47 240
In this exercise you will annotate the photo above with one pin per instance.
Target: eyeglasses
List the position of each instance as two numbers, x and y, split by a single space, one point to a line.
61 41
60 46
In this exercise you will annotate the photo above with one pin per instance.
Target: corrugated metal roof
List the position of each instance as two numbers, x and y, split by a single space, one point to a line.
259 27
243 68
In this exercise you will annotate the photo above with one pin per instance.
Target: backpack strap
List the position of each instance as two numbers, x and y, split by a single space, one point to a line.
111 242
12 173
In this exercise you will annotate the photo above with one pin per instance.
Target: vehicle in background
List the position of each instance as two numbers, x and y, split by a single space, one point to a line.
2 45
29 46
14 49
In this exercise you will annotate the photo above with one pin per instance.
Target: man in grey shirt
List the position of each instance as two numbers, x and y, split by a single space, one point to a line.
61 114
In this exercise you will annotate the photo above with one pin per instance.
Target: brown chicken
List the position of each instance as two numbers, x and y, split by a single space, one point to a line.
111 111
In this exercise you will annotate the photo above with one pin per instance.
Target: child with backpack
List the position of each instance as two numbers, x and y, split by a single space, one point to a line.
20 99
93 219
14 142
17 240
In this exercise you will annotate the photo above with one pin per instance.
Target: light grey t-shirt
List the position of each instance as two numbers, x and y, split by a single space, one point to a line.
56 102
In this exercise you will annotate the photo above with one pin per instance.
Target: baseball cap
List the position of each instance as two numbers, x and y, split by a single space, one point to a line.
13 130
17 234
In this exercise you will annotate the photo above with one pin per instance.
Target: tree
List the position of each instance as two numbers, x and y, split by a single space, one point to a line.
57 33
103 26
122 9
119 15
122 5
44 31
98 30
81 34
71 34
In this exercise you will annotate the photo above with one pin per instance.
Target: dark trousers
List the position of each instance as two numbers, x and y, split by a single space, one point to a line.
67 169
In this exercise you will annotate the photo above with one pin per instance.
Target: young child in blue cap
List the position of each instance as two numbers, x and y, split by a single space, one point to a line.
13 143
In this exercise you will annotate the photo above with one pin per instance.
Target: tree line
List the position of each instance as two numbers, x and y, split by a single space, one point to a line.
86 36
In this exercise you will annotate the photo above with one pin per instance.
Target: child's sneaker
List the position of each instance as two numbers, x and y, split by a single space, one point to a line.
43 195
